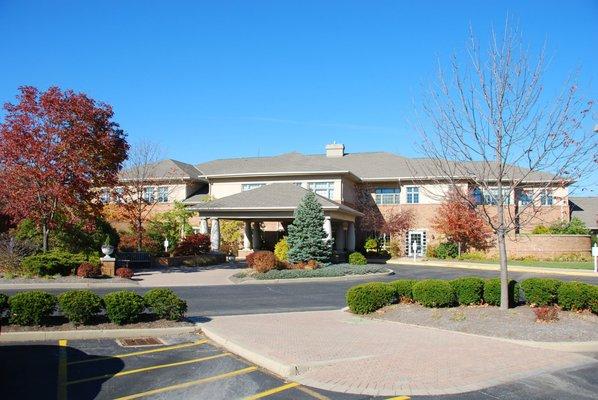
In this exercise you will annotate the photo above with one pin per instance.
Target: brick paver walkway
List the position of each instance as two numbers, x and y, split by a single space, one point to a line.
337 351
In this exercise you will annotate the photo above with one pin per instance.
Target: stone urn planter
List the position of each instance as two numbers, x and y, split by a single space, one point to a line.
107 249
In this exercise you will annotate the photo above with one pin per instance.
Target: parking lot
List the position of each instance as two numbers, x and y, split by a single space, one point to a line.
188 366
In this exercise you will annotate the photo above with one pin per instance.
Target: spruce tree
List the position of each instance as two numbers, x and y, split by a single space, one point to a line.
307 237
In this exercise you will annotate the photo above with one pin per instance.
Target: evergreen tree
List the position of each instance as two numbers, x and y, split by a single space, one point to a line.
307 238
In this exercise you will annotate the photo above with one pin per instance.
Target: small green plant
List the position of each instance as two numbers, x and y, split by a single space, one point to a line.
52 263
107 240
356 258
468 290
31 308
281 250
371 245
369 297
403 289
124 306
447 250
80 306
165 304
541 291
574 295
433 293
492 292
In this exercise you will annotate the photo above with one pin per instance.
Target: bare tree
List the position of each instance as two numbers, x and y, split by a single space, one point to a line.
493 134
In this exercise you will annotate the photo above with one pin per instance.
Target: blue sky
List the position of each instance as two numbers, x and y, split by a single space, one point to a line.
240 78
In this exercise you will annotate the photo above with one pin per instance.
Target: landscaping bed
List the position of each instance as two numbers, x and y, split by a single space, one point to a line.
334 270
65 279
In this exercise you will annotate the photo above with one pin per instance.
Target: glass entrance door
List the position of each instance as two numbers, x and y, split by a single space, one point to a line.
417 237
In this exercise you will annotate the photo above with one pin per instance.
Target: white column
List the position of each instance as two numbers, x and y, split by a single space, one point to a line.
340 238
215 234
351 237
203 226
256 237
247 236
328 228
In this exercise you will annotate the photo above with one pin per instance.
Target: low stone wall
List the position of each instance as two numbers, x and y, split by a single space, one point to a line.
547 246
191 261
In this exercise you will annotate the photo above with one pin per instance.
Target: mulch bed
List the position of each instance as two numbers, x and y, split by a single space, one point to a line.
516 323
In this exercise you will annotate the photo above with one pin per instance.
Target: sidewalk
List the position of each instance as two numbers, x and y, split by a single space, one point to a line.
335 350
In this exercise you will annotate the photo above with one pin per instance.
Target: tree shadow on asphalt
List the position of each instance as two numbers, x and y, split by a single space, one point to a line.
32 372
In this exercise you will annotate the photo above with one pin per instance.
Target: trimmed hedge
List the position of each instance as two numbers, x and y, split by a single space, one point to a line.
468 290
541 291
369 297
80 306
165 304
356 258
593 301
124 272
53 263
492 292
403 289
433 293
574 295
31 308
89 270
124 306
3 303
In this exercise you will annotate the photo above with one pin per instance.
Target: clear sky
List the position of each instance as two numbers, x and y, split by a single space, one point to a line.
244 78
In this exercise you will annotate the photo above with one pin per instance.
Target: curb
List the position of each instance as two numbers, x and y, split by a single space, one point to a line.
316 279
272 365
93 334
74 285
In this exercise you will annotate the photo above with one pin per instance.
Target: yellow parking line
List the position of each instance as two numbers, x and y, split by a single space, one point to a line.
399 398
62 361
145 369
312 393
272 391
188 384
139 353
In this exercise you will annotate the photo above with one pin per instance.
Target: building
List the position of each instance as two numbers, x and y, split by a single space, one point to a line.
586 209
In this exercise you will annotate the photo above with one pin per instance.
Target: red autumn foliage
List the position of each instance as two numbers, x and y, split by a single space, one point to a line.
399 222
56 148
193 245
89 270
124 272
261 261
546 314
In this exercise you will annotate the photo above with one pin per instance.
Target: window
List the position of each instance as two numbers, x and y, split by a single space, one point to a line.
250 186
546 199
477 195
119 194
148 194
325 189
388 195
105 196
490 196
412 195
524 198
163 194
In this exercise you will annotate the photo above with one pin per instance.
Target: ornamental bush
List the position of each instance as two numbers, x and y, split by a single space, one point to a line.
262 261
356 258
593 299
193 245
446 250
369 297
492 292
80 306
468 290
124 306
403 289
31 308
89 270
541 291
371 244
124 272
433 293
281 250
573 295
52 263
165 304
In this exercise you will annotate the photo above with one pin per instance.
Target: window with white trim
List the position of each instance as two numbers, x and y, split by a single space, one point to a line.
163 194
385 196
490 196
524 197
412 195
148 194
250 186
546 198
325 189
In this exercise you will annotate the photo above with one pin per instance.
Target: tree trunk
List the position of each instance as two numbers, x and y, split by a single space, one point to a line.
504 275
45 235
139 236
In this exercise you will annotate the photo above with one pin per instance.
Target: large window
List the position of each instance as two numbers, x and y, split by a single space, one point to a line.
525 198
148 194
412 195
325 189
163 194
546 199
250 186
490 196
388 195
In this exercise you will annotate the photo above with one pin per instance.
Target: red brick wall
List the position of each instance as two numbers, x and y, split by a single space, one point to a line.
547 246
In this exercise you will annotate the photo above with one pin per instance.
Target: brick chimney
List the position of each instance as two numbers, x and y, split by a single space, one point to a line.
335 150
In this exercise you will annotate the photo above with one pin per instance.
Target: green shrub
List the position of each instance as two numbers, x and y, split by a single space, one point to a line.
371 244
473 256
541 230
573 295
433 293
369 297
593 299
165 304
431 251
3 303
79 306
492 292
124 306
468 290
356 258
447 250
52 263
31 308
403 289
541 291
281 250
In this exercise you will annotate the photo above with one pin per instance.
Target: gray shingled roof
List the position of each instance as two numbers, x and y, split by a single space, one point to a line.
366 166
277 196
164 169
586 209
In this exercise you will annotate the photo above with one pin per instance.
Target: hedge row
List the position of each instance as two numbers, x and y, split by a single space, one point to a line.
369 297
81 306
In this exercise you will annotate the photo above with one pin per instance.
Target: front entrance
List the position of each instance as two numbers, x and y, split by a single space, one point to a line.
419 237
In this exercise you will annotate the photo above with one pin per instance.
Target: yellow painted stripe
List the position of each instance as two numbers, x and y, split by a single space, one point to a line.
312 393
62 371
399 398
145 369
272 391
139 353
189 384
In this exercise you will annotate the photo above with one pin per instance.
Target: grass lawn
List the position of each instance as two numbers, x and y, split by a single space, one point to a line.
541 264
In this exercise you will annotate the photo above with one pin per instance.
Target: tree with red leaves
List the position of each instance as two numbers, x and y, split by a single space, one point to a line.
459 221
55 149
399 222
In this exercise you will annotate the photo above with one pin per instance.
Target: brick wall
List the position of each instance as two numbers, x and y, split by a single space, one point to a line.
547 246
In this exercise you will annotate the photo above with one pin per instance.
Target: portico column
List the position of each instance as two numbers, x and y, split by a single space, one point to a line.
340 238
328 228
351 237
203 226
256 237
215 234
247 236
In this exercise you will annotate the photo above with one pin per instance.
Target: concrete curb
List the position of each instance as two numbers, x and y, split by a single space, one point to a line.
74 285
271 364
492 267
303 280
93 334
